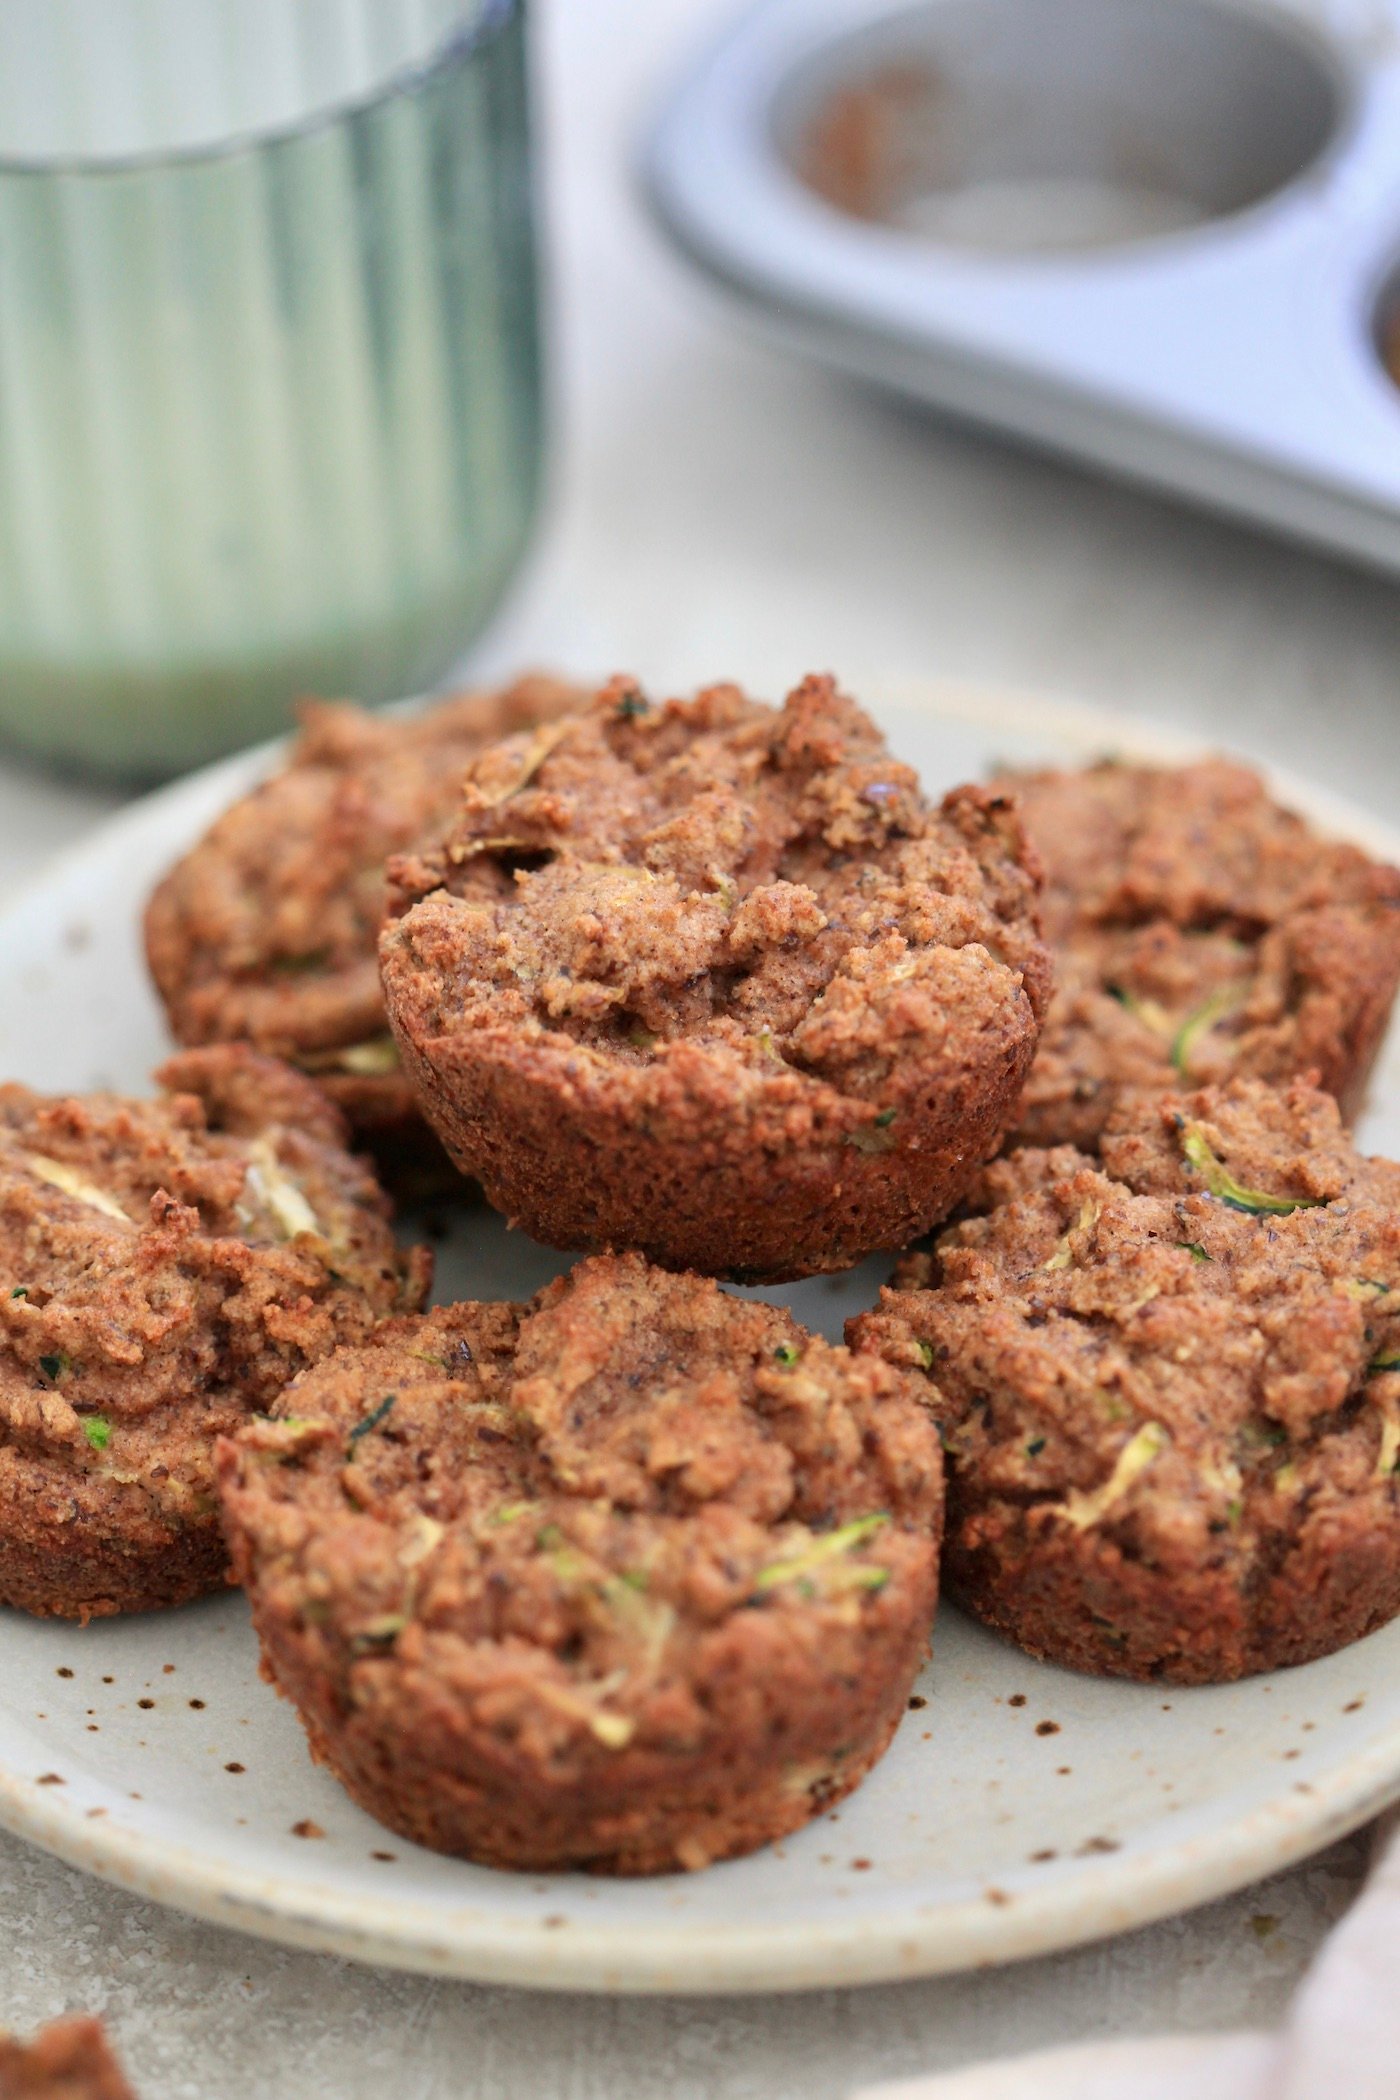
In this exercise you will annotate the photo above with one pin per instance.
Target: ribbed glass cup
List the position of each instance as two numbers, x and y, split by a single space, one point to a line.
269 376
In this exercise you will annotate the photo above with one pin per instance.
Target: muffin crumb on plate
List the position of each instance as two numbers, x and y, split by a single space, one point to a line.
67 2060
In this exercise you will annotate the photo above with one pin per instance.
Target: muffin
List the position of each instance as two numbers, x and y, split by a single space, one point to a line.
711 979
265 931
67 2060
1168 1383
165 1268
1200 933
631 1578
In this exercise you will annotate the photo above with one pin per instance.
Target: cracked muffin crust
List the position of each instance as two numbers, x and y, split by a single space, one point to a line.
265 931
1168 1383
713 980
1200 932
165 1268
633 1577
67 2060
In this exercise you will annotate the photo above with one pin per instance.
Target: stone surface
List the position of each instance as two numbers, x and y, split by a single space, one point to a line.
718 509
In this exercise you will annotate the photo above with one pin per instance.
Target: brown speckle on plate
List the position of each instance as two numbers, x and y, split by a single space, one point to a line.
1353 1706
1047 1727
50 1779
1097 1844
235 1767
860 1866
145 1704
997 1896
63 1671
553 1924
1063 1771
1038 1859
384 1855
1017 1699
307 1829
917 1703
198 1705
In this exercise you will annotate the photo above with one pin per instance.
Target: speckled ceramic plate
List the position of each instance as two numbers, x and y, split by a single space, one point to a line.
1020 1809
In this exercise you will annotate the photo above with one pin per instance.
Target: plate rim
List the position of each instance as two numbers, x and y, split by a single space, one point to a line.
900 1939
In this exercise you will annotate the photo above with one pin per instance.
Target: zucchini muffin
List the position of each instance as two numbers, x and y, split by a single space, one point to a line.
1168 1383
712 979
165 1268
1200 933
68 2060
265 931
633 1577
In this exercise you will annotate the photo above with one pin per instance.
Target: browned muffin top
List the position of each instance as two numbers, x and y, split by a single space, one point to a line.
601 1520
167 1265
1200 931
1190 1347
266 929
768 884
68 2060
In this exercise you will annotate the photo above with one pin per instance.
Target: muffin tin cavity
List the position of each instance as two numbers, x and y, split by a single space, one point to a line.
1143 233
1386 325
1056 125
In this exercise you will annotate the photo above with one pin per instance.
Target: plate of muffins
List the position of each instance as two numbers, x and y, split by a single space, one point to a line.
549 1229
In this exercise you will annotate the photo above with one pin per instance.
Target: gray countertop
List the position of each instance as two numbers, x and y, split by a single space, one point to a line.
719 511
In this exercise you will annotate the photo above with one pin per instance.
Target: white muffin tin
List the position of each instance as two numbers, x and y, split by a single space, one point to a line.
1233 360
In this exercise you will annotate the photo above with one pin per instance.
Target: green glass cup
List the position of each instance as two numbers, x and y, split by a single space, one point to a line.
269 363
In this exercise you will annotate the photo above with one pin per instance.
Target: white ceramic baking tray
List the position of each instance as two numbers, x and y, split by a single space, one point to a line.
1233 361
